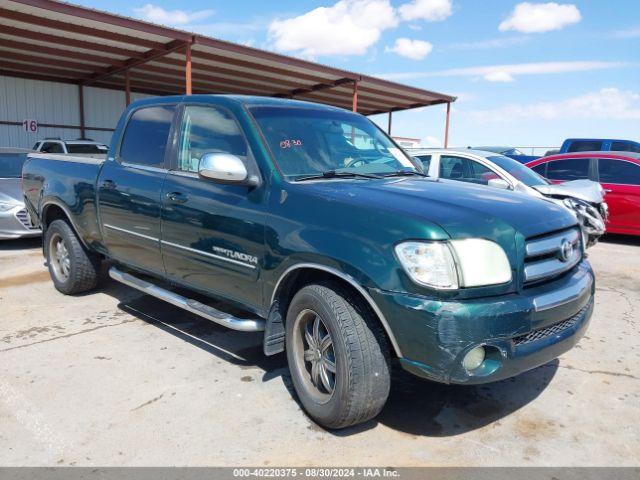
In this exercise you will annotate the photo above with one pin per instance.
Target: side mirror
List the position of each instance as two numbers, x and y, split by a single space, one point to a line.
499 183
225 168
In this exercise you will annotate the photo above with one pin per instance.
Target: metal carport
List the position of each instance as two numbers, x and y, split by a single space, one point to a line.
60 42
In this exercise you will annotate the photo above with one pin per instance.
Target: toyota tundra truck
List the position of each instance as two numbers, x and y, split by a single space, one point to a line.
312 226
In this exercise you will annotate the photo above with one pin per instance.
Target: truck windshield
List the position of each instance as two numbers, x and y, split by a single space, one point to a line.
307 142
11 164
518 170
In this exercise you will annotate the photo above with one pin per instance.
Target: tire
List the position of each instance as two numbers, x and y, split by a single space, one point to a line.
78 270
357 349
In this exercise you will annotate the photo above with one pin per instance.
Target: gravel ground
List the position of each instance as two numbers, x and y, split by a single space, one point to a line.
115 378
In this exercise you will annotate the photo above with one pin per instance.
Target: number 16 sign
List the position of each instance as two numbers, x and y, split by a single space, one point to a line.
30 126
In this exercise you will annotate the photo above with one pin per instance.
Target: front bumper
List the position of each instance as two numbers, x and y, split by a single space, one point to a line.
15 223
519 331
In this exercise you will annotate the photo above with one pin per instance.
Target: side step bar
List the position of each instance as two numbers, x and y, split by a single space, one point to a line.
193 306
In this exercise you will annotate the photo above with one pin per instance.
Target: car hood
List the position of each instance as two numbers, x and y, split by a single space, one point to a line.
586 190
462 210
11 190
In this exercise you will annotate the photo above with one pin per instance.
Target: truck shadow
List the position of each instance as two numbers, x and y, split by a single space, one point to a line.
21 244
238 348
621 239
415 406
420 407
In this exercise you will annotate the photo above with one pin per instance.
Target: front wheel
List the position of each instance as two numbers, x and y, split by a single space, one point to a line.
337 355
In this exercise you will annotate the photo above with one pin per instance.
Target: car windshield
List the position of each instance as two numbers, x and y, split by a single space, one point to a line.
518 170
87 148
11 164
307 142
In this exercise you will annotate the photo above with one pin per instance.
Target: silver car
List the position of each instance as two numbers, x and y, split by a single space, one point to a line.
584 198
15 222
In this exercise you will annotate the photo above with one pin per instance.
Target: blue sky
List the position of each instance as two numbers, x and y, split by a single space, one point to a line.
526 73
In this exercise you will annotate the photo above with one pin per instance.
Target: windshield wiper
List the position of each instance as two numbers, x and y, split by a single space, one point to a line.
335 174
405 173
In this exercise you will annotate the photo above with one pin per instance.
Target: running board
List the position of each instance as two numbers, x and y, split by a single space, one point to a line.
189 304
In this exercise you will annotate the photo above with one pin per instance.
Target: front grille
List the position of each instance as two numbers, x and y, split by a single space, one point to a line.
550 330
551 255
25 219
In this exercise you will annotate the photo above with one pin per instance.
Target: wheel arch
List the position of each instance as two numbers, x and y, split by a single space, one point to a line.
301 274
51 211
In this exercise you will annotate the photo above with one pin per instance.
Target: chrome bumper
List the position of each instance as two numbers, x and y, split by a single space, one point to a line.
581 284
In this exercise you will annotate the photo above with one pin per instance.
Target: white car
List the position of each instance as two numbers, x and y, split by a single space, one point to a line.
81 147
583 197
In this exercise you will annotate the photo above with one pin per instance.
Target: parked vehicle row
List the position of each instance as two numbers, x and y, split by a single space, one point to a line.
316 229
584 198
617 172
570 145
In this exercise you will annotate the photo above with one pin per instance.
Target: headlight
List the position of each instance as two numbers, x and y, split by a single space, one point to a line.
6 206
571 203
481 262
458 263
429 263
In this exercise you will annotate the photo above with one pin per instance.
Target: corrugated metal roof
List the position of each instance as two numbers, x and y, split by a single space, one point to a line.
52 40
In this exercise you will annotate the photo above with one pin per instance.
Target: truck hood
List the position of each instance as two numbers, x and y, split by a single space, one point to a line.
11 190
586 190
462 210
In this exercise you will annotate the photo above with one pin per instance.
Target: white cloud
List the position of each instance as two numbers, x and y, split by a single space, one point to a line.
629 33
513 70
499 76
156 14
489 43
349 27
429 10
431 141
540 17
605 104
413 49
229 30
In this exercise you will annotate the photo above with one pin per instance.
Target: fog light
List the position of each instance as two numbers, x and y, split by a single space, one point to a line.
473 359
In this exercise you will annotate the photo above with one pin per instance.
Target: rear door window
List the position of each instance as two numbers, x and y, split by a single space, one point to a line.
464 170
145 137
541 169
585 146
618 171
52 147
568 169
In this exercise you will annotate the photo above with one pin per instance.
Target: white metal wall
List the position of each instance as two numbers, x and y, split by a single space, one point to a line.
56 103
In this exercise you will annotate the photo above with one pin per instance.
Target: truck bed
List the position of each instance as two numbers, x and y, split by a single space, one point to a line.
52 182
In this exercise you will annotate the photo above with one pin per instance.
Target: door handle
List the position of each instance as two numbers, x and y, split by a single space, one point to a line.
177 197
110 184
607 190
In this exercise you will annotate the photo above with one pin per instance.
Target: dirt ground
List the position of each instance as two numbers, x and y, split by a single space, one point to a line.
116 378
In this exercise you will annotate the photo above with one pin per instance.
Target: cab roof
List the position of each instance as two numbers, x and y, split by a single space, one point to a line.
248 100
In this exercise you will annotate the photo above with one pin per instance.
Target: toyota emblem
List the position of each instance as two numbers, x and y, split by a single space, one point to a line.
566 250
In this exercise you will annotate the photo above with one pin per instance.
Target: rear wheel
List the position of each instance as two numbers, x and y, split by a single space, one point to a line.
337 356
73 269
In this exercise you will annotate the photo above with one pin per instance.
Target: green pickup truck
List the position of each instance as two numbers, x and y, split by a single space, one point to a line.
315 228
